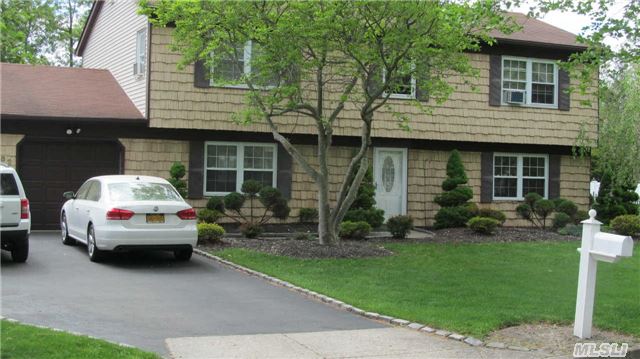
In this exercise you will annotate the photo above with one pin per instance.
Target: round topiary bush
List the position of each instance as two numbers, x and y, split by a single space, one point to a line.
560 220
626 225
483 225
566 206
399 226
250 230
216 204
373 216
206 215
234 201
492 213
354 230
251 187
308 215
451 217
210 232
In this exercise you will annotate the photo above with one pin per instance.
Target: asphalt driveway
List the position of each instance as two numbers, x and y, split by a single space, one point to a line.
144 298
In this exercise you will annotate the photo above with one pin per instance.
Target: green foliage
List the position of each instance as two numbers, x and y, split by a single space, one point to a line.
574 230
234 201
614 200
177 172
536 209
216 204
626 225
455 197
472 208
251 188
303 236
400 226
207 215
566 206
373 216
308 215
210 232
363 208
451 217
251 230
483 225
354 230
560 220
492 213
455 210
581 215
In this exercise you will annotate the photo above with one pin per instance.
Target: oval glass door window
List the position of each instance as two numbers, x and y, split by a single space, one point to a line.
388 174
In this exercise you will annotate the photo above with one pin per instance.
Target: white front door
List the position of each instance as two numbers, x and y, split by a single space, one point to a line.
390 178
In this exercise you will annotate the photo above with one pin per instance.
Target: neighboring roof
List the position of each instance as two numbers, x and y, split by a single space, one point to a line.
538 32
88 27
63 92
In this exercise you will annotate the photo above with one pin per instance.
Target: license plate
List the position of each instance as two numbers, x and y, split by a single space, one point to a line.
155 218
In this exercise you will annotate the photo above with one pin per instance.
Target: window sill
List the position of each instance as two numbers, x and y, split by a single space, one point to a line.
503 199
547 107
240 87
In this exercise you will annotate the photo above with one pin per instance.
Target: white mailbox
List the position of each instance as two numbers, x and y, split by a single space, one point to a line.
611 247
596 246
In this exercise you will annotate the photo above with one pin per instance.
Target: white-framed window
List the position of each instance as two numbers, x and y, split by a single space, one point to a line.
536 79
140 65
229 164
233 67
516 175
405 89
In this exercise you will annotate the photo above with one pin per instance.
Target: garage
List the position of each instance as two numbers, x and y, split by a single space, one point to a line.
49 168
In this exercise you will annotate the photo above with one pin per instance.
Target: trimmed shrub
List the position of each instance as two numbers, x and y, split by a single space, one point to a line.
626 225
536 209
571 230
354 230
216 204
250 230
492 213
399 226
251 188
450 217
363 208
560 220
483 225
472 208
176 173
303 236
581 215
206 215
308 215
210 232
543 208
234 201
614 201
455 210
566 206
373 216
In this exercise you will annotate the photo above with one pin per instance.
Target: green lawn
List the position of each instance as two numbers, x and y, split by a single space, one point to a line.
469 288
25 341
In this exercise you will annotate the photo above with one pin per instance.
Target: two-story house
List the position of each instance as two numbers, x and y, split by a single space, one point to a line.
515 133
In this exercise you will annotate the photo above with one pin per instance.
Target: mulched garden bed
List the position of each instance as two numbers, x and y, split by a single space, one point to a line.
375 247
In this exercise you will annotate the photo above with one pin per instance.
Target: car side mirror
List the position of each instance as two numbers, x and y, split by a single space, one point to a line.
69 195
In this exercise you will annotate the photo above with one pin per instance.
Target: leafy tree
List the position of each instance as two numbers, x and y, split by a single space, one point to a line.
73 15
614 200
28 30
320 57
454 210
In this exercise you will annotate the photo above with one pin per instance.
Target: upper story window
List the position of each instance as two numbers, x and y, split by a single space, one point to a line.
404 88
139 67
530 82
234 66
228 165
516 175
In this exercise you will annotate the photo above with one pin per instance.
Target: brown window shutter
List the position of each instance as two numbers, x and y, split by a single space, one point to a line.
284 170
422 94
554 176
495 80
486 174
201 74
196 169
375 81
564 98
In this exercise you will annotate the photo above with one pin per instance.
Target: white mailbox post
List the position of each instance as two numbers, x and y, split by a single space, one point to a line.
595 246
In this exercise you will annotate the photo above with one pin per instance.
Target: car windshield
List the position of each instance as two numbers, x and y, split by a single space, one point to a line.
142 191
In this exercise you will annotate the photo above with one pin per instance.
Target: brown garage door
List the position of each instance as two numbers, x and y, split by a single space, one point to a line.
49 168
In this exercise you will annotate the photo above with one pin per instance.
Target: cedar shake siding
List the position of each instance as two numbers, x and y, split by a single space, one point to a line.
175 102
8 143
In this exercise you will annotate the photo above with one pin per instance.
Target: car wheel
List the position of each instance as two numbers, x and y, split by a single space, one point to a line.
183 254
95 254
20 250
64 230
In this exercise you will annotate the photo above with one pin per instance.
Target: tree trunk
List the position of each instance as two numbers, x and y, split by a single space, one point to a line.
326 229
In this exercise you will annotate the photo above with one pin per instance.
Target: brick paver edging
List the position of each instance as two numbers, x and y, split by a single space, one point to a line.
345 306
10 320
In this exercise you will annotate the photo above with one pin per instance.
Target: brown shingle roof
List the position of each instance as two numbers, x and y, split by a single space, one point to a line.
538 32
63 92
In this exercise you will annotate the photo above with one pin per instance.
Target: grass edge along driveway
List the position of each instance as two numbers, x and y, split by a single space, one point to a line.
469 288
29 342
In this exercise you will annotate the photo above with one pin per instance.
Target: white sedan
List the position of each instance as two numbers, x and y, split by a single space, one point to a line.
121 213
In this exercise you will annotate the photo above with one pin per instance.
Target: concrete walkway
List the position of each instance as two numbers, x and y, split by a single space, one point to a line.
397 343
